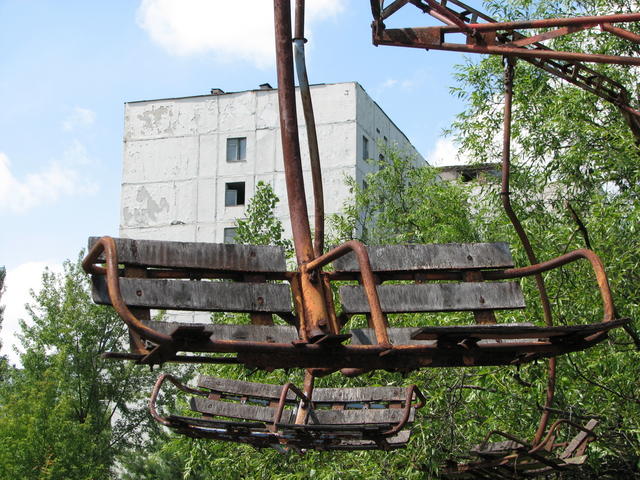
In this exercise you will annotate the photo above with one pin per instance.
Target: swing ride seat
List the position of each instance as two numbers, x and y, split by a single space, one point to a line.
187 276
514 458
266 415
457 278
236 278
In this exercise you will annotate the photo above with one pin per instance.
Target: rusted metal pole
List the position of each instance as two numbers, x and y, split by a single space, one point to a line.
289 133
312 136
313 300
524 239
620 32
549 22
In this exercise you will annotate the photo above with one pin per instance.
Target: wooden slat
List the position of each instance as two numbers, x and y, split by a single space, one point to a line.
579 439
397 336
238 410
240 387
198 295
450 256
359 394
514 330
245 333
357 417
214 423
397 441
199 255
438 297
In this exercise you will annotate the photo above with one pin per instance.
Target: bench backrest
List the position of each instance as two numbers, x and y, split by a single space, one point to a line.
159 274
242 400
462 262
331 406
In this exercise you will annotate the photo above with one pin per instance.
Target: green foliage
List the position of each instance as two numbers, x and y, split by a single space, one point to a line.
67 413
393 207
261 226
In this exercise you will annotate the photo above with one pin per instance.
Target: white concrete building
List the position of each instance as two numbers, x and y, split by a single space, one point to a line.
191 164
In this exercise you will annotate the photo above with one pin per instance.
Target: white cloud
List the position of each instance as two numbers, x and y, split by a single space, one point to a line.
234 30
55 180
78 118
18 282
445 152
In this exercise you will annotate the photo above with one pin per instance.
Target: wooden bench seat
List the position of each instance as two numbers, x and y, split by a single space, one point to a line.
333 419
253 280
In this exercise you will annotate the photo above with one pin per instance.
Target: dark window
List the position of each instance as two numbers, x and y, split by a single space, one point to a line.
233 194
236 149
230 235
365 148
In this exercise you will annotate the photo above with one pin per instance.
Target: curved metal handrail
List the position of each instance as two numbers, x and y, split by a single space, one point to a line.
107 245
368 282
411 391
156 390
583 253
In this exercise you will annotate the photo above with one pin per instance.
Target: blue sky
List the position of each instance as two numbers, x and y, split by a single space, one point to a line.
67 68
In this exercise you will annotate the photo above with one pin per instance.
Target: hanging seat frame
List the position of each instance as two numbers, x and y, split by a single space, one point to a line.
272 346
256 414
515 458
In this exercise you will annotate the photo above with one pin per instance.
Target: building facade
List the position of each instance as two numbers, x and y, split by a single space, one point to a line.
191 164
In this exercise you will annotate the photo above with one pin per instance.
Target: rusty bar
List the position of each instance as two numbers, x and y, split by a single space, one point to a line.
156 390
108 246
440 12
559 32
312 136
390 10
312 295
423 38
283 400
137 357
583 253
411 391
549 22
539 446
289 133
368 282
303 408
620 32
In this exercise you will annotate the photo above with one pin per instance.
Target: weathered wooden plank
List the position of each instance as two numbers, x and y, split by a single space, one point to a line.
435 297
577 441
215 423
514 330
238 410
198 295
358 417
244 333
359 394
449 256
497 449
396 441
397 336
243 388
199 255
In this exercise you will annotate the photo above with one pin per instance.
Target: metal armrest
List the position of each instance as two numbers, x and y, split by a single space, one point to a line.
156 390
411 391
108 246
283 399
583 253
360 250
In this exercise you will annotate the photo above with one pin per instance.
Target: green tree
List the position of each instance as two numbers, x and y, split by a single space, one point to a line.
261 226
68 413
393 207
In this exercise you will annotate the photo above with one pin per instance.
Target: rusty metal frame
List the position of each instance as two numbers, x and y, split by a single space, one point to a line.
274 427
498 38
570 70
